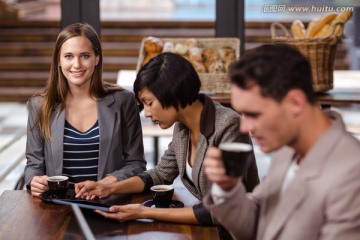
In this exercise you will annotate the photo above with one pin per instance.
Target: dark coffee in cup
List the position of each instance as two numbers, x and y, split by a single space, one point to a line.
235 157
162 195
58 186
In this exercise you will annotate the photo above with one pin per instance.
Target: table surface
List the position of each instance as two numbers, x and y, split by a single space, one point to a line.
346 88
27 217
346 91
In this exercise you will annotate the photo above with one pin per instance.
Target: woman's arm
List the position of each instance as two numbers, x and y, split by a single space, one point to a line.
91 189
108 179
167 170
132 139
138 211
35 165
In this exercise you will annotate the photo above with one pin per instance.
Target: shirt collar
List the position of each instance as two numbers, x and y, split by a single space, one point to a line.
207 118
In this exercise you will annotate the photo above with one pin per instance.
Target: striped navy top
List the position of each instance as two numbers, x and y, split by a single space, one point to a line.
81 153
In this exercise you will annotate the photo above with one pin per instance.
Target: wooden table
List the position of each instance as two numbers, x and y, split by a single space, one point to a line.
346 91
25 217
334 97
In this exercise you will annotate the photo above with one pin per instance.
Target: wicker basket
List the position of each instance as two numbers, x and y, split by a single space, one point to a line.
320 52
210 83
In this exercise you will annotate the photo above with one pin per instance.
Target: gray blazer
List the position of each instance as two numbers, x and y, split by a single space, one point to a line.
121 152
217 124
321 202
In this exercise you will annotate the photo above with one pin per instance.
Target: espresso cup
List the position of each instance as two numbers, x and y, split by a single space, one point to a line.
58 186
235 157
162 195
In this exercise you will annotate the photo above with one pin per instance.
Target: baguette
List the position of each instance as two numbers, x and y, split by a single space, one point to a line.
325 31
338 30
343 17
298 29
318 25
310 26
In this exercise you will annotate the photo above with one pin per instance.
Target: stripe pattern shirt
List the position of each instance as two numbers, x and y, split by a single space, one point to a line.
81 153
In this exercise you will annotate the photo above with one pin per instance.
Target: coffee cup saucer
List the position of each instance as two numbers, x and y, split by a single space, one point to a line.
174 204
48 197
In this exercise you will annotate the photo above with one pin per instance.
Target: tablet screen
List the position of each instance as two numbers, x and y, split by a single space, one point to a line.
84 204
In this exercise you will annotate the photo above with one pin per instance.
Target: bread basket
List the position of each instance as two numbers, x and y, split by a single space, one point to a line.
210 83
320 52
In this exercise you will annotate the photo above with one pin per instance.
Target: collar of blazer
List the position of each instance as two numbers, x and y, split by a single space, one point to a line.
106 116
207 117
107 100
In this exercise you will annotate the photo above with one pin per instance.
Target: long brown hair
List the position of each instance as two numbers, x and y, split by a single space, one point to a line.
57 87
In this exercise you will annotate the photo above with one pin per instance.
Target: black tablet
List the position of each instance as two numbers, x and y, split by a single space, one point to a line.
84 204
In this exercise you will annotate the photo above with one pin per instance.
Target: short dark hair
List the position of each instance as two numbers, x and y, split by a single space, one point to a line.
276 68
171 78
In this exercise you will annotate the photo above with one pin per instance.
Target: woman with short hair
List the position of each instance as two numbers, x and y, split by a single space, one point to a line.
168 88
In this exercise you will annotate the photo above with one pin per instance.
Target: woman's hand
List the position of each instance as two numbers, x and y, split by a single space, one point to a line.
125 212
215 171
108 179
89 190
39 185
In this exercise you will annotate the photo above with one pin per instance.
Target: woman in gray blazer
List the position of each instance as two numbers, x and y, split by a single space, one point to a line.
168 87
80 126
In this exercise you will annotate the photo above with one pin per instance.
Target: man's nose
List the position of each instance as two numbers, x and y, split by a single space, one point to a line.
245 125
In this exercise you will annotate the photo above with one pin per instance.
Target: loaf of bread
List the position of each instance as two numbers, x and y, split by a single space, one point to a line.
191 43
211 54
227 54
342 18
180 49
310 27
319 24
195 54
298 29
152 46
325 31
199 66
214 66
205 60
169 47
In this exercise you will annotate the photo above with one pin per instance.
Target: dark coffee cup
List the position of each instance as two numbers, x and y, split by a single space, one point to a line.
162 195
235 157
58 186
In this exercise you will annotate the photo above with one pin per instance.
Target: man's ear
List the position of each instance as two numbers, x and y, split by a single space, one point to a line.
296 101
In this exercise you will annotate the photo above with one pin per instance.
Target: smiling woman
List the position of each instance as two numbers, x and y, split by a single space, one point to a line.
77 126
78 61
